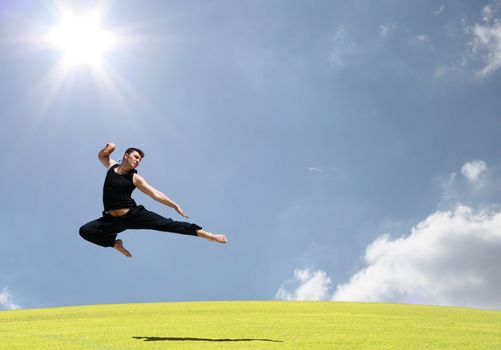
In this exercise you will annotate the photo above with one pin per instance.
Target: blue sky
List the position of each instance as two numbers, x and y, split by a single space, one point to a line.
346 149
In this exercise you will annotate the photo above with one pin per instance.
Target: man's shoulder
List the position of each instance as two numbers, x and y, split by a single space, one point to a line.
113 165
133 174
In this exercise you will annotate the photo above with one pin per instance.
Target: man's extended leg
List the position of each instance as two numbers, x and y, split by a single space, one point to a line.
140 218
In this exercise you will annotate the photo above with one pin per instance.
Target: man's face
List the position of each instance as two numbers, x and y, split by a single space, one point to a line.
133 158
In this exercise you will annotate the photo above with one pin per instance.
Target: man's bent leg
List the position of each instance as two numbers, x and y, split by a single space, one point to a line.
102 231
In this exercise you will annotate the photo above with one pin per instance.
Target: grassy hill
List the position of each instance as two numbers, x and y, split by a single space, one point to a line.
251 325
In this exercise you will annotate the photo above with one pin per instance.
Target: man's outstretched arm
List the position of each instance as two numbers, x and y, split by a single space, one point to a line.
104 155
149 190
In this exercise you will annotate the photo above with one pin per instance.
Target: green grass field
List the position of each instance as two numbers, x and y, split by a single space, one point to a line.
251 325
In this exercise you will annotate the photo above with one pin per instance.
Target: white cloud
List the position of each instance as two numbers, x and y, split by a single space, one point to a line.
306 285
450 258
313 169
474 171
6 301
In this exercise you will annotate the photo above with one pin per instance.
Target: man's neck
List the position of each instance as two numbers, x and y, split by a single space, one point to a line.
124 169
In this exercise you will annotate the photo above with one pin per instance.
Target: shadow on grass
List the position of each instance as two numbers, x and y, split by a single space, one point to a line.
203 339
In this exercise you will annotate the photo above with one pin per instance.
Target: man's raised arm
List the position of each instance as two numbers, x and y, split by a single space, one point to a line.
104 155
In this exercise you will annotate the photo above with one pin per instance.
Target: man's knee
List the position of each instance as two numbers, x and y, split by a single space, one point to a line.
85 232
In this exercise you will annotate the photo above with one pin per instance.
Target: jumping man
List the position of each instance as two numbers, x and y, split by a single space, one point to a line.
121 212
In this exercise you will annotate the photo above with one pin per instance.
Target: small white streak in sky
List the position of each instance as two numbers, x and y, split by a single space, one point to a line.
439 11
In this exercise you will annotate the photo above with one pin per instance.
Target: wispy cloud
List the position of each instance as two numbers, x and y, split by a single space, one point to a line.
439 11
469 183
482 44
344 50
448 186
386 29
486 42
423 39
6 301
306 285
315 170
489 11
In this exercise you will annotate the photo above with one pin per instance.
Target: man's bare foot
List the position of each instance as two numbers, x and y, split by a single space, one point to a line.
120 247
219 238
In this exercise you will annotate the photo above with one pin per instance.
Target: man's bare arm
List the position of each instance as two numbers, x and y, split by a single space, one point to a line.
104 155
149 190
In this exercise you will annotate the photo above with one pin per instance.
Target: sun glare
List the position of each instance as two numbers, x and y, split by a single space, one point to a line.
85 44
81 39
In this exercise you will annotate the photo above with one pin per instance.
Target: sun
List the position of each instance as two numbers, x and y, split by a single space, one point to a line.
86 45
82 39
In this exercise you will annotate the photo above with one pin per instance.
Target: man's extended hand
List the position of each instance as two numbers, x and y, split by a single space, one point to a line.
181 211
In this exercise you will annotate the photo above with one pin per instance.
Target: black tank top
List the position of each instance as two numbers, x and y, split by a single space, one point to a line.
117 189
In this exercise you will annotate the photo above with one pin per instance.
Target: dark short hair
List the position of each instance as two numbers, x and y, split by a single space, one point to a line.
132 149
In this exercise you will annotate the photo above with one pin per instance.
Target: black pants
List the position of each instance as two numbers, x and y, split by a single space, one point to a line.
104 230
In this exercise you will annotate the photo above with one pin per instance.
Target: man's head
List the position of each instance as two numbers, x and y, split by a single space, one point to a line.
133 156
